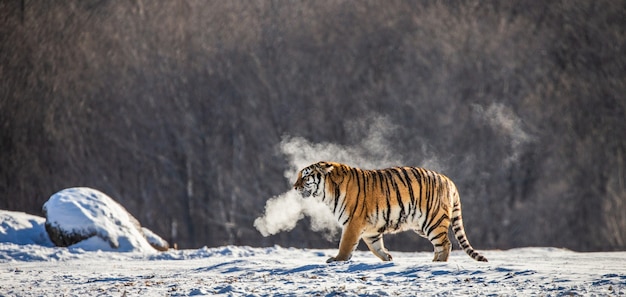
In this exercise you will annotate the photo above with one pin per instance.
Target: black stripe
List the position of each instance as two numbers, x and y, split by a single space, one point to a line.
337 194
384 190
429 198
344 202
409 185
418 179
388 198
434 200
364 204
443 217
401 215
358 192
372 178
374 239
318 182
399 172
439 235
343 208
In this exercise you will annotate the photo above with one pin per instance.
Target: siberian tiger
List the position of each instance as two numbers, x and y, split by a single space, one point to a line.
370 203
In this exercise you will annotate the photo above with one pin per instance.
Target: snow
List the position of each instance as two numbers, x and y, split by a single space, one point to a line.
155 240
246 271
22 228
91 213
31 266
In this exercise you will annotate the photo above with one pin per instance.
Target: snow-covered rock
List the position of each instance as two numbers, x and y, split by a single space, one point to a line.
22 228
154 240
89 219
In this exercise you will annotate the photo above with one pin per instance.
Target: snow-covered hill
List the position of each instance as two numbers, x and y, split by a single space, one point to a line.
33 270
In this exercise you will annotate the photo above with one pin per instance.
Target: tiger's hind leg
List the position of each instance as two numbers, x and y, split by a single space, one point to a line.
376 245
439 238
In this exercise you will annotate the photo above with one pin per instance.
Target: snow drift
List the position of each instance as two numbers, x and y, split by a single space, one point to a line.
23 228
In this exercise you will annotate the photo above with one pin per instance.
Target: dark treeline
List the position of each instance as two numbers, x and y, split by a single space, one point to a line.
176 109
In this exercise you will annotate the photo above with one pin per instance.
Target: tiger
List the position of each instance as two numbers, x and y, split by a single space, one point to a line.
370 203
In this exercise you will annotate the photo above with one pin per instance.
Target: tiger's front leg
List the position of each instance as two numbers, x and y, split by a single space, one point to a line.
349 240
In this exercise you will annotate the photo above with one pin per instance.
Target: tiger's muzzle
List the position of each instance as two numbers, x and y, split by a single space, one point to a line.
299 186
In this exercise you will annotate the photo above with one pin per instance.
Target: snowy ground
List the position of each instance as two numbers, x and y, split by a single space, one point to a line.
30 265
35 270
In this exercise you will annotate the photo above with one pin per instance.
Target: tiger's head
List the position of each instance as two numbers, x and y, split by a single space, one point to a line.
311 179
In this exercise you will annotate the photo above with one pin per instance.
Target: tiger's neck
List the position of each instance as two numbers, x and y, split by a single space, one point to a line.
335 197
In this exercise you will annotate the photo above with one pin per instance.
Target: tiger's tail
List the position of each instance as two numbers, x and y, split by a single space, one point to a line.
459 231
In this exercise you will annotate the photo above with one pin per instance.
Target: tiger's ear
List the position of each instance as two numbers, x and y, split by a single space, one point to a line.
328 168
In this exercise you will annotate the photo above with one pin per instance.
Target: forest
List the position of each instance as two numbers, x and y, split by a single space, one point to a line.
193 114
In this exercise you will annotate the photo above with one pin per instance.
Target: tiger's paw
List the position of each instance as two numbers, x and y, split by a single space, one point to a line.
383 255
